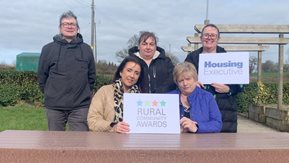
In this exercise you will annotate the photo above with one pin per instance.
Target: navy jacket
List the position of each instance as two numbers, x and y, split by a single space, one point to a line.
204 110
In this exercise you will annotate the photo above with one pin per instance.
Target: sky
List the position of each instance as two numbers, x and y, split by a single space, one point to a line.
27 25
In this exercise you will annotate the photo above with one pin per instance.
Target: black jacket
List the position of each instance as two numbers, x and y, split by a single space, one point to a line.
66 73
226 101
158 76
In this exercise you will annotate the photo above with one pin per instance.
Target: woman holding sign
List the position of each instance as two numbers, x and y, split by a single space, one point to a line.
106 109
224 93
199 111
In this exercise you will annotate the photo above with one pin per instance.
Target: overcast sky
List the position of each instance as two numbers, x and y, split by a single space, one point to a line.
27 25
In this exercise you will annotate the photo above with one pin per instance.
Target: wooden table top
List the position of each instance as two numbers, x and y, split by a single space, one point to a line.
83 147
111 141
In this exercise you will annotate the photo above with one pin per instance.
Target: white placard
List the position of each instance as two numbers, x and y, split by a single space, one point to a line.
152 113
226 68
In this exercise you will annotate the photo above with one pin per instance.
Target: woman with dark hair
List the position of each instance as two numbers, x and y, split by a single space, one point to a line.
156 65
106 109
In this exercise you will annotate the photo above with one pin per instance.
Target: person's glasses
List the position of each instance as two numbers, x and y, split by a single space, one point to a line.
68 25
212 35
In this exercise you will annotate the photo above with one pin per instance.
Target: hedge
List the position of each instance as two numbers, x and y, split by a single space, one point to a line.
22 86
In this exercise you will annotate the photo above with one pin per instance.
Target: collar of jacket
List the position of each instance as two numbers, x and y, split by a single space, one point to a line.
60 40
134 50
219 50
195 91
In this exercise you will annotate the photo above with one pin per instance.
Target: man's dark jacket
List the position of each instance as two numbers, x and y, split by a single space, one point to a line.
226 101
158 76
66 73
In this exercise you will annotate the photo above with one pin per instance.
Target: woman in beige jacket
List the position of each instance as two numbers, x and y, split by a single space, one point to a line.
106 109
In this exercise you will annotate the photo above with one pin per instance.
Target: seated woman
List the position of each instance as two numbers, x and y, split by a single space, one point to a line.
106 109
199 111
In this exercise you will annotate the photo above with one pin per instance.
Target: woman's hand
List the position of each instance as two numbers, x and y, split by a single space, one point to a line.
188 125
221 88
199 84
121 127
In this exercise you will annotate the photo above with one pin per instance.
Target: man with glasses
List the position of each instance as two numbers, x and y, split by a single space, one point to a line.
224 93
66 76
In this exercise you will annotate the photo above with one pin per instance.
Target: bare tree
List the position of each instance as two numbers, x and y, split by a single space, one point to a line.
121 54
174 59
269 66
133 41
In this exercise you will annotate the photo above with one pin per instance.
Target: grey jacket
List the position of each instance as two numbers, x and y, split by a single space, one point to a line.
66 73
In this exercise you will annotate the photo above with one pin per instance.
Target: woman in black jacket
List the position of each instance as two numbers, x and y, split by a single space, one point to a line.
224 93
157 67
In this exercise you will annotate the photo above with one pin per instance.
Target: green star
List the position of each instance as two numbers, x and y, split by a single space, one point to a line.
163 103
147 103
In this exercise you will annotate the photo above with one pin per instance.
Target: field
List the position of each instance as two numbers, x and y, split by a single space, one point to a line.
22 117
270 77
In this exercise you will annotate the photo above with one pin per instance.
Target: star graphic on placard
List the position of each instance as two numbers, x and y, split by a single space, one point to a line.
155 103
139 103
163 103
147 103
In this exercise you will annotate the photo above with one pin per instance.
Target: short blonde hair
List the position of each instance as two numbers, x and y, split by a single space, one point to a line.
182 68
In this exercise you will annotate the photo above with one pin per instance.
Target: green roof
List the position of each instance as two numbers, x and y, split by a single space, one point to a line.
27 61
28 54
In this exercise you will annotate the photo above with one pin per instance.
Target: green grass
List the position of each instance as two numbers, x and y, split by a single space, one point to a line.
270 77
22 117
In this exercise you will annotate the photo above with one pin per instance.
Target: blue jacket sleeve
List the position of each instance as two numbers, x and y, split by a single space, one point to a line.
215 119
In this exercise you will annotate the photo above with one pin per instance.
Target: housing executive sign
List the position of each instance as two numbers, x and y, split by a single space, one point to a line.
226 68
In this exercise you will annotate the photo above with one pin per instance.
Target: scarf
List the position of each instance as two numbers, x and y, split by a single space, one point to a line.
118 99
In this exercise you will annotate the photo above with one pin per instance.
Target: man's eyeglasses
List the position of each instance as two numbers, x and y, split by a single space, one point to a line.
212 35
68 24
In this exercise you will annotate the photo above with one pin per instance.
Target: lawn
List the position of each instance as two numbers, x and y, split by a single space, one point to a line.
22 117
270 77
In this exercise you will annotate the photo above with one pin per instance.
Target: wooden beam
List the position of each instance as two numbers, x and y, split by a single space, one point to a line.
187 48
249 28
233 48
243 40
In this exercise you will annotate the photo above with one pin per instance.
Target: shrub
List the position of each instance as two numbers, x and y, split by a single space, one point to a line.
10 94
23 86
261 94
102 80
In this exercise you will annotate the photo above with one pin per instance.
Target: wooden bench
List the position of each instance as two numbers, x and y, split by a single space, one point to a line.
77 147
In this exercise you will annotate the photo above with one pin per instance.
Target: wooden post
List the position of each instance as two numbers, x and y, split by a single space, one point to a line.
196 45
259 65
280 86
189 46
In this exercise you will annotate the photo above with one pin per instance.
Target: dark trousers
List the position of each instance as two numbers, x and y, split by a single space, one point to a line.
76 119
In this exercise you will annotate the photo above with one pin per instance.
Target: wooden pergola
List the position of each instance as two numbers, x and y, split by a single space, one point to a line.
243 44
